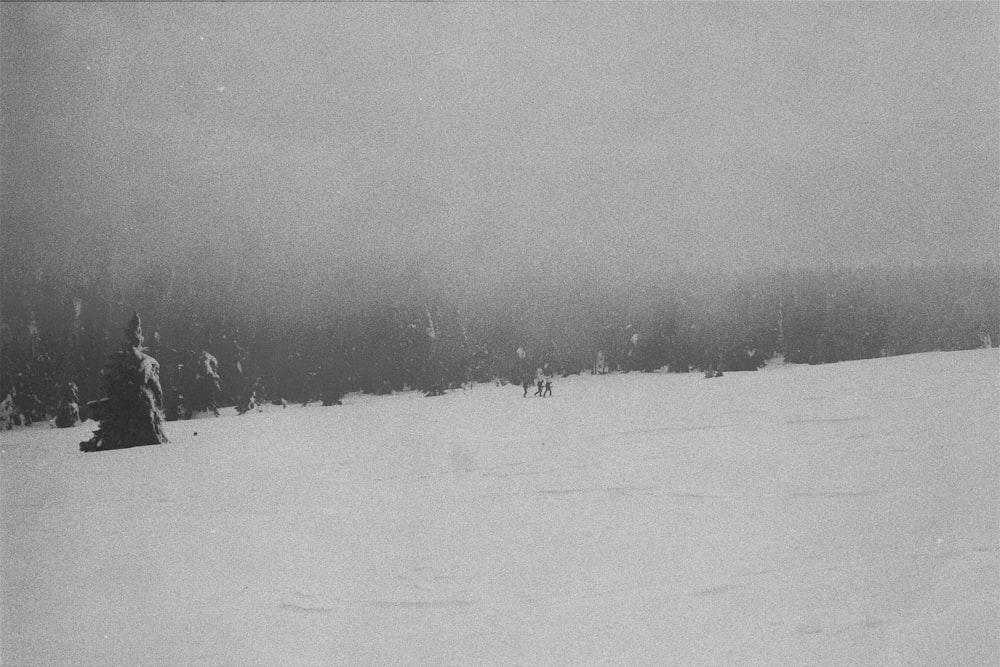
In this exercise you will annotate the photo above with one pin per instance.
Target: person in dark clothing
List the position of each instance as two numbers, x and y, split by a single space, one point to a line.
538 391
527 385
548 388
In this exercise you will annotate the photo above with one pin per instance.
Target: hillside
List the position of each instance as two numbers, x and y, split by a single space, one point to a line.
835 514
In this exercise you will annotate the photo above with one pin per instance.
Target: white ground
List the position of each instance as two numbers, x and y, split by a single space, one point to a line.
831 515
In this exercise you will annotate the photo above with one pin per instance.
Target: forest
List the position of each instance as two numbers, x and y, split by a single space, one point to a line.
223 346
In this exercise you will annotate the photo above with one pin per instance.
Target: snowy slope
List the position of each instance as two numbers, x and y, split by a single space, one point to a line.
832 515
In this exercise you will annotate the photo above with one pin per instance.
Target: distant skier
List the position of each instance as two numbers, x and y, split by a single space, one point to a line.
548 388
541 386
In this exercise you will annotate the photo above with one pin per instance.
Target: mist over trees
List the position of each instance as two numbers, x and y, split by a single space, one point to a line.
487 190
216 350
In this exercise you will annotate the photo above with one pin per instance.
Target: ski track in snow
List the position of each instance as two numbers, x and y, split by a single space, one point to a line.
839 514
827 420
400 604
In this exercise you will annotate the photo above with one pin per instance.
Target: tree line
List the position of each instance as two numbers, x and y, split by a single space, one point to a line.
55 333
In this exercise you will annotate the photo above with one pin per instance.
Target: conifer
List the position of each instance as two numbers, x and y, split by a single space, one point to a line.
129 413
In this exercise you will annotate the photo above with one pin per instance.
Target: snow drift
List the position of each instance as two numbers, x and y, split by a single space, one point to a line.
840 514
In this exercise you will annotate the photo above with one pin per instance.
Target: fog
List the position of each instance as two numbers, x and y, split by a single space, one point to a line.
316 150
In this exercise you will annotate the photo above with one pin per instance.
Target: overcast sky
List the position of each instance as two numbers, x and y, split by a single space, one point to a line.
558 139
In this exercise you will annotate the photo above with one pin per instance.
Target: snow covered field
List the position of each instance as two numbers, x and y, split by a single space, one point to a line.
831 515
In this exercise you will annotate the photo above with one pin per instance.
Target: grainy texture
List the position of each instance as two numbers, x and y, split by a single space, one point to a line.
838 514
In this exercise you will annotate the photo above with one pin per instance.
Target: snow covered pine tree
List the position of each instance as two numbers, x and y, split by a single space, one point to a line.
130 412
205 386
252 399
68 412
10 414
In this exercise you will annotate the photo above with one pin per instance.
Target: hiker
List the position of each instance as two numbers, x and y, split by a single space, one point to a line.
540 385
527 385
548 388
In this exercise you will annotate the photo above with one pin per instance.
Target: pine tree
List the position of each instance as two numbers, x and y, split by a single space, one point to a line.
68 412
174 407
205 386
252 399
129 413
333 379
10 413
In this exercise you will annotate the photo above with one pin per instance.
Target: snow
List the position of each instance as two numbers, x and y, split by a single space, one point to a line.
839 514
